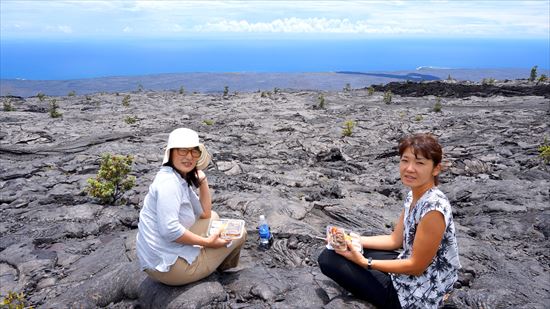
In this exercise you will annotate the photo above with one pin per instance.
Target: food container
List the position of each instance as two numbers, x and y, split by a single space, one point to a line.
230 228
337 237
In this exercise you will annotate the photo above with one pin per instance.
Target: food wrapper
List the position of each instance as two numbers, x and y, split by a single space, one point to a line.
230 228
337 237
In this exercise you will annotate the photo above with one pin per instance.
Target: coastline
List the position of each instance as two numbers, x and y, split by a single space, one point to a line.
250 81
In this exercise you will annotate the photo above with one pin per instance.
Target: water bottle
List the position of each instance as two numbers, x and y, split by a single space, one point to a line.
266 239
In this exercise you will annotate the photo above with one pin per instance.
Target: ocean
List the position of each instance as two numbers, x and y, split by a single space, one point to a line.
64 60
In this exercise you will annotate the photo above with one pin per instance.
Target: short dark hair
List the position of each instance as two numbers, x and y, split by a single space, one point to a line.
426 144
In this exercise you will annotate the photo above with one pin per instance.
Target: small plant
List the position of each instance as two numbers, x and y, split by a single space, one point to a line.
41 96
347 130
276 90
347 88
225 91
54 113
418 118
182 90
449 78
370 90
112 180
140 87
544 151
126 100
488 81
14 301
88 98
387 97
263 94
533 74
321 99
8 107
130 119
208 122
437 105
71 94
543 78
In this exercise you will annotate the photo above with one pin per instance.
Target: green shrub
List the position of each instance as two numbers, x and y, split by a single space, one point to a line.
544 151
533 74
276 90
71 94
54 113
347 88
437 105
208 122
14 301
488 81
112 180
543 78
347 130
225 91
387 97
322 102
126 100
370 90
418 118
182 90
8 107
130 119
41 96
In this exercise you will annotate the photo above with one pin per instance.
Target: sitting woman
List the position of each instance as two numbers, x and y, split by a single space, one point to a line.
171 243
427 268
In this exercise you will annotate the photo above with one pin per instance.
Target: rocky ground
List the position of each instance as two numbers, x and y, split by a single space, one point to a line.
282 155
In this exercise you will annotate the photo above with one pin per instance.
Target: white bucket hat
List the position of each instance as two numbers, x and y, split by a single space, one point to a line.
186 138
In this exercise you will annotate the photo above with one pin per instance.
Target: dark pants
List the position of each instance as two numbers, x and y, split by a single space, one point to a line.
373 286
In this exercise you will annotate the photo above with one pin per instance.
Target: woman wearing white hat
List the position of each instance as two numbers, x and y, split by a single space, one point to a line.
171 243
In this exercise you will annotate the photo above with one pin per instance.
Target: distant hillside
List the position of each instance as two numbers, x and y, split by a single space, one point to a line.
246 81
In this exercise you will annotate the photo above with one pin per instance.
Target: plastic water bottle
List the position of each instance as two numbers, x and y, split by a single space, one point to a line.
266 239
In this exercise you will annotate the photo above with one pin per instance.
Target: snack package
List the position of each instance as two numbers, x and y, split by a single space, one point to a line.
337 237
230 228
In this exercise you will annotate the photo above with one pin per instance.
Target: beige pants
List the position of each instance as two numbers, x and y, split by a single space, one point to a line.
207 262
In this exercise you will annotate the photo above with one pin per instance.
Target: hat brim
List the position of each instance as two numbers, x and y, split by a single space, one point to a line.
202 162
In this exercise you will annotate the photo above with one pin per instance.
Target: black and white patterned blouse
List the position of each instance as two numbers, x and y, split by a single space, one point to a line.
428 289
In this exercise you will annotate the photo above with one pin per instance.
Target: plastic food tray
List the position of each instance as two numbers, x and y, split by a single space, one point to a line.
231 228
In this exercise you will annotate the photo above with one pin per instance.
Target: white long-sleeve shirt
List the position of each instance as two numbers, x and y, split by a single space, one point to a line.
169 209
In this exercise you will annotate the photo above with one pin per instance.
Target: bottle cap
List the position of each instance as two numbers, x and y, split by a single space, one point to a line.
262 217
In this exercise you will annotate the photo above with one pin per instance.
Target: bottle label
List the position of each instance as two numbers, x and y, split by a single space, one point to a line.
264 231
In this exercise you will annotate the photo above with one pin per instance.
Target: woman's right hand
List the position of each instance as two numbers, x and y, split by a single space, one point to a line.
214 240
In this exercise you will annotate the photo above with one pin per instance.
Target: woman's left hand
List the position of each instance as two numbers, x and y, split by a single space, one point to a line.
201 176
352 254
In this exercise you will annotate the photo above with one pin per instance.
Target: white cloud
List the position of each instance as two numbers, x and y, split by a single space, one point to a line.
65 29
308 25
165 18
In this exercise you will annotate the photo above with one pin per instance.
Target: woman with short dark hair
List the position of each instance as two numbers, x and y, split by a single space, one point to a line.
427 267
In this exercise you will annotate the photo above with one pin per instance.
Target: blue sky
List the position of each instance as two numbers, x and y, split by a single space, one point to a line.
42 19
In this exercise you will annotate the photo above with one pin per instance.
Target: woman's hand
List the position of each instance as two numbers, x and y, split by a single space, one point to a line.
201 176
214 240
352 254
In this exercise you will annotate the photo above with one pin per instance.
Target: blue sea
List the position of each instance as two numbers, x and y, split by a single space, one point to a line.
62 60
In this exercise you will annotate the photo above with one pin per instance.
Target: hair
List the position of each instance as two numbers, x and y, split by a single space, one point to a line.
426 144
191 178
